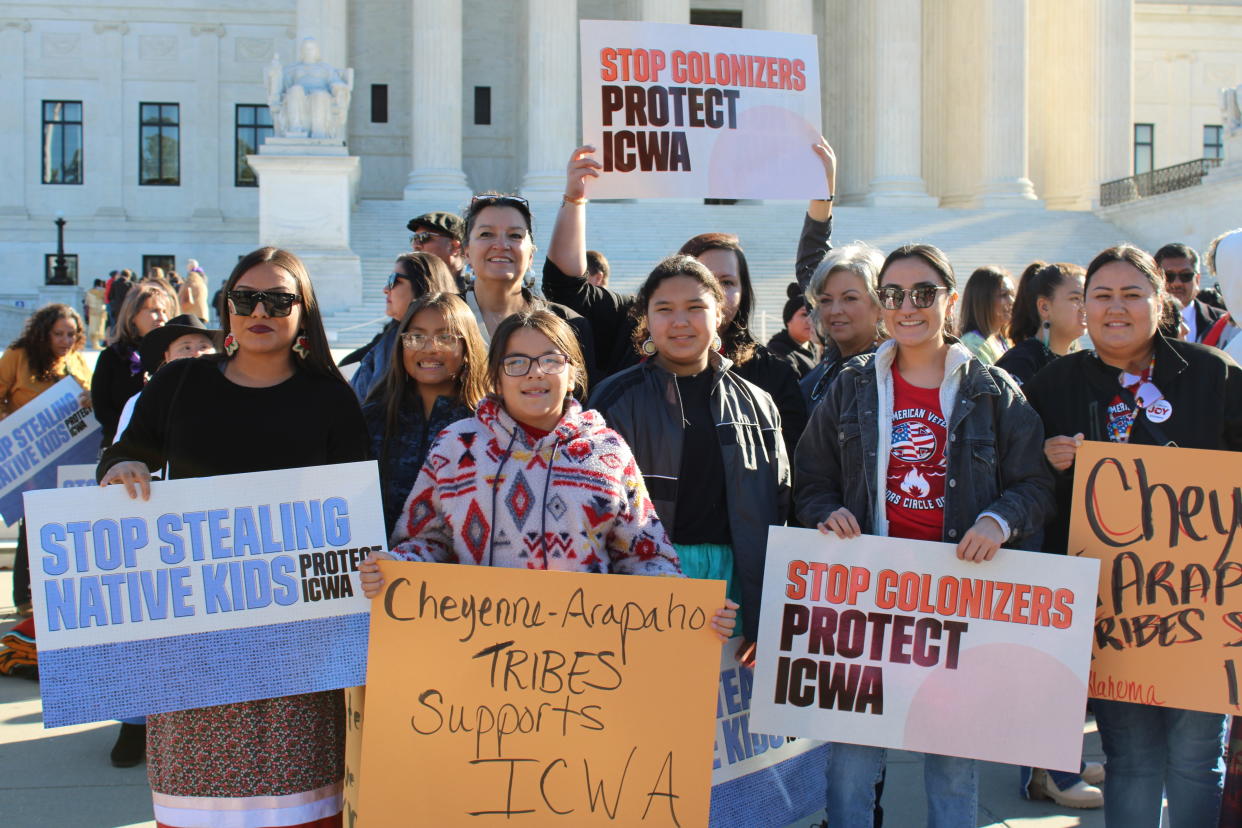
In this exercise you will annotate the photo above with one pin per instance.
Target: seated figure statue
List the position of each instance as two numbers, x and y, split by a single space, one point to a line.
310 98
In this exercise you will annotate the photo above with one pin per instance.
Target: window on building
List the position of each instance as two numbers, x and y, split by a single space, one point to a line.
71 270
379 103
1213 141
159 144
62 142
252 125
716 17
1144 148
163 261
483 105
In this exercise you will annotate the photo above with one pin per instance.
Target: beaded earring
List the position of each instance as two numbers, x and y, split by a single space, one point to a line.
1045 333
301 346
230 345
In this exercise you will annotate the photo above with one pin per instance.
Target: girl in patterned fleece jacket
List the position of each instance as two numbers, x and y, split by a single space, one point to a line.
533 480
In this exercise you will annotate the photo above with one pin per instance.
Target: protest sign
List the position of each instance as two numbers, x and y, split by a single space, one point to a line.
51 430
1162 522
68 477
678 111
216 590
516 697
897 643
355 708
755 773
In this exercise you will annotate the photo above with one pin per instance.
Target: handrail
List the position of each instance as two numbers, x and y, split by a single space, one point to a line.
334 334
1163 180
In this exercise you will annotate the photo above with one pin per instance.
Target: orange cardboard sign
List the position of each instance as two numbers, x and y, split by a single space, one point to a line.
1164 523
518 697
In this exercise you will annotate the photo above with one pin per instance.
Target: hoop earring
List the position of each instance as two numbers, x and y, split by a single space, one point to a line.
717 344
648 347
301 346
230 345
1045 333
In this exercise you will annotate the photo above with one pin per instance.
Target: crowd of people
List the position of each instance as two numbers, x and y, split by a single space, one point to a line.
585 429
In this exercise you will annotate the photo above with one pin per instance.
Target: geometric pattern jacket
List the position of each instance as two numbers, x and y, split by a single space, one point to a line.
574 500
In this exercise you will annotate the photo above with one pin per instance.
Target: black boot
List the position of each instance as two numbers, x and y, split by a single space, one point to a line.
130 747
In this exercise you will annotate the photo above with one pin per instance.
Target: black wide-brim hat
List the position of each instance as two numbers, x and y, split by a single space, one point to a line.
151 349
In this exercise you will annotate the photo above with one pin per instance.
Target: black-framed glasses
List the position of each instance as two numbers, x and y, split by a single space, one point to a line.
243 302
416 341
921 296
1179 275
518 365
423 236
481 201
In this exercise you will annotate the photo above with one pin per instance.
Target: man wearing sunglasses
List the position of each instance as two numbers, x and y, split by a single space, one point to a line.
1180 265
440 233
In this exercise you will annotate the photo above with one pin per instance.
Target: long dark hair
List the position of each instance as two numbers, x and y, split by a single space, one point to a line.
678 265
36 339
736 340
1039 283
319 359
471 383
427 273
979 300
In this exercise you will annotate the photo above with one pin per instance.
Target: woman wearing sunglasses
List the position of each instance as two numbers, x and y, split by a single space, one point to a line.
413 275
273 400
437 376
960 460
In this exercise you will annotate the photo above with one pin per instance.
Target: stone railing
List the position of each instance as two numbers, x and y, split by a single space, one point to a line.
1163 180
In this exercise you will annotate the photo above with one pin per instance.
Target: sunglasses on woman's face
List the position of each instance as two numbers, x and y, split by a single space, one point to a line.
921 296
392 280
243 302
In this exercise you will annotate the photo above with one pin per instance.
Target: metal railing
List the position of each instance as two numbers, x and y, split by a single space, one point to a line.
1163 180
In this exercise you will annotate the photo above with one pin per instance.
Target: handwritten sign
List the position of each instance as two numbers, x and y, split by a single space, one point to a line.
216 590
509 696
896 643
679 111
756 773
1163 523
51 430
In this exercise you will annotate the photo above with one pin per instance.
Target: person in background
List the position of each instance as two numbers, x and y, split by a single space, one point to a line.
987 304
597 268
193 293
442 235
175 281
413 275
1179 263
1048 319
218 301
1172 323
273 400
842 292
116 297
1102 394
96 315
118 370
1224 260
48 350
916 387
437 376
794 341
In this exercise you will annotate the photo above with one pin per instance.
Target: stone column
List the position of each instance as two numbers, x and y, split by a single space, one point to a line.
200 157
13 128
1004 182
436 113
793 16
897 126
1115 84
664 11
106 160
328 22
551 93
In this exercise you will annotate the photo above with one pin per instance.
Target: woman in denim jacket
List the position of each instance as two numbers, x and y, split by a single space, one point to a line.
921 440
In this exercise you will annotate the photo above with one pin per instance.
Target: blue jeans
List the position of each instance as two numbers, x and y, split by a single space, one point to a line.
952 786
1154 751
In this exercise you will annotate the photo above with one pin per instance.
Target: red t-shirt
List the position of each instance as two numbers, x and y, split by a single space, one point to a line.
914 496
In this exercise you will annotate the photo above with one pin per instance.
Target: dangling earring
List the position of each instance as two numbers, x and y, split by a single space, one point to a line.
301 346
230 345
1045 334
717 344
648 347
468 274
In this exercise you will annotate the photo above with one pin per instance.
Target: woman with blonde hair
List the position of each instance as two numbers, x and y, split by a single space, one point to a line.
118 370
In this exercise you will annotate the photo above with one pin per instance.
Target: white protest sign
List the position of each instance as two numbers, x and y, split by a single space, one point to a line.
678 111
243 586
897 643
82 474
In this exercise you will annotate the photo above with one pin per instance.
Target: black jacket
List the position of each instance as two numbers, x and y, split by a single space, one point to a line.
1205 317
1202 384
643 404
1025 360
608 312
800 357
118 376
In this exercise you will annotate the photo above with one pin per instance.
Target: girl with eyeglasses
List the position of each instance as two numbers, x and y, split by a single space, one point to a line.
549 484
273 400
708 442
413 275
437 375
921 440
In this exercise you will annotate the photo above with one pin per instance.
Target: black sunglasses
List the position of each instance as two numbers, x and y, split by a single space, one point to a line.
479 202
424 236
1179 275
243 302
921 296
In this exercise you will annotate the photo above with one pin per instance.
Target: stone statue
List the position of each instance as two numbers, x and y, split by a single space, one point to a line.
1231 109
310 98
